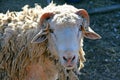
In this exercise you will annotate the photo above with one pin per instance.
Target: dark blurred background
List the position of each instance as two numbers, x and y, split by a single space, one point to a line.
103 56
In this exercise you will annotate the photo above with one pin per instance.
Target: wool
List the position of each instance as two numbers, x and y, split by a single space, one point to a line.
22 60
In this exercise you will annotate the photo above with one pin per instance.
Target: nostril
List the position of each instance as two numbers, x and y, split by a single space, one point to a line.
69 59
64 58
73 58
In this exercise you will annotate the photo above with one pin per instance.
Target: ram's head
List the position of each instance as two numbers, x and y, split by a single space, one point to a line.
64 32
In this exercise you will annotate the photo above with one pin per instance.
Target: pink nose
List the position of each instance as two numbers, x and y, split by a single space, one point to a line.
69 60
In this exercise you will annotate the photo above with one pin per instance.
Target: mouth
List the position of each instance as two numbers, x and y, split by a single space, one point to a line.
69 67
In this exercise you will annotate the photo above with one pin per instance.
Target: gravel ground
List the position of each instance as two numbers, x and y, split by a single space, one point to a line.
103 56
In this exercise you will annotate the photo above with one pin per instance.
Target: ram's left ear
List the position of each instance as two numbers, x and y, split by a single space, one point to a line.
86 30
90 33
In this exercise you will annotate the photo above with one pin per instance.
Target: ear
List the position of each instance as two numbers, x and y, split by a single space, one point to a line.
40 37
90 33
86 30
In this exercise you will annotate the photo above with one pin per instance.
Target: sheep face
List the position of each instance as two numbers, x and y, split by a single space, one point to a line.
64 41
64 33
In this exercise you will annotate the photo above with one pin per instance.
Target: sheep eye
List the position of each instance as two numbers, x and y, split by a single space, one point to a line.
51 30
80 28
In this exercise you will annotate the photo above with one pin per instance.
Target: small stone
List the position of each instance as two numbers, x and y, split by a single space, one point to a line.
106 60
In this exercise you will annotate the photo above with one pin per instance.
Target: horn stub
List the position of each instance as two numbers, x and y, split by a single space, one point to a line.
84 14
45 16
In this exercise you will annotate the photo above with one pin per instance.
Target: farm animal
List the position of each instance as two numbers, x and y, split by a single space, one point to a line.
43 44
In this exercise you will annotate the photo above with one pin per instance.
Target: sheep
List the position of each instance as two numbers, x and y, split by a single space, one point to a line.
33 45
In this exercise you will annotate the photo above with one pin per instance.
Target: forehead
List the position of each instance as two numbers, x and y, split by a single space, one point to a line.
66 19
64 15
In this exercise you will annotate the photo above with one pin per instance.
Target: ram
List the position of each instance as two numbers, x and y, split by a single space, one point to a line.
43 44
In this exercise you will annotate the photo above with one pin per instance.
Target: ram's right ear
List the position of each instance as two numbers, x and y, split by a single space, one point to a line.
40 37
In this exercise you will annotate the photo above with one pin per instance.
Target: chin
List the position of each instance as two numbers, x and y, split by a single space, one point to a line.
69 68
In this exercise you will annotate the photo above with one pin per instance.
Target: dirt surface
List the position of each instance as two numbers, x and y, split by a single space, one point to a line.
103 56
